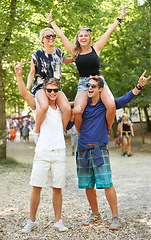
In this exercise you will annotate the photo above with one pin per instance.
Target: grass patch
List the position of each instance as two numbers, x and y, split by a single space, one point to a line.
9 161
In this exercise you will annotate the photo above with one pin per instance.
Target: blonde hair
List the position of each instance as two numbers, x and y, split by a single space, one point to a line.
53 80
43 31
126 118
77 47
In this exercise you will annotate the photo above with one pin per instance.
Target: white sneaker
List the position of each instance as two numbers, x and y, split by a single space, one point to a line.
60 226
29 226
36 136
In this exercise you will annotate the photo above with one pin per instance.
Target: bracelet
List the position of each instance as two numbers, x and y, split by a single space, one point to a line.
139 87
120 20
51 21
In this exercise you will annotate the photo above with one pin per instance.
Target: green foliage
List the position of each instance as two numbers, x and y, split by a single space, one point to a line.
9 161
123 59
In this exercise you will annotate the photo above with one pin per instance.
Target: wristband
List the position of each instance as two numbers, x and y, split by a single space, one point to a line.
139 87
120 20
51 21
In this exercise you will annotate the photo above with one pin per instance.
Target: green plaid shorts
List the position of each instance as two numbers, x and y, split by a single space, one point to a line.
99 175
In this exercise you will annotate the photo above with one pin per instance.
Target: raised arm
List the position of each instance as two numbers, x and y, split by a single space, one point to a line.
68 45
31 75
103 40
22 88
141 82
122 101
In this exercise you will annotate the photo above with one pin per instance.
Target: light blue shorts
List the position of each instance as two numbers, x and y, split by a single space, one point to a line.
83 82
124 135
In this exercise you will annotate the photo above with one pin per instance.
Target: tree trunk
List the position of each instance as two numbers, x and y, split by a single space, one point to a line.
3 52
141 125
149 24
147 119
2 117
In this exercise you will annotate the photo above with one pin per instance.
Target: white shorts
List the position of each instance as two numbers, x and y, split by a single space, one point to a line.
43 162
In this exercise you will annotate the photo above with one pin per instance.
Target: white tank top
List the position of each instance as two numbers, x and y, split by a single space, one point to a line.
51 130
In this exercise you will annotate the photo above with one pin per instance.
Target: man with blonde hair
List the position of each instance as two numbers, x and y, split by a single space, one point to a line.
49 151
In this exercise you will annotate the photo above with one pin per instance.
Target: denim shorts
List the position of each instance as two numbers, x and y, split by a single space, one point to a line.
124 135
99 175
83 82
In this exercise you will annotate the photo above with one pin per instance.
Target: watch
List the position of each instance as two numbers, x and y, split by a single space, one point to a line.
118 19
139 87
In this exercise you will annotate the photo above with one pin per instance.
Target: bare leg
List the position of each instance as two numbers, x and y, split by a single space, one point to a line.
128 146
112 200
64 105
108 100
57 203
124 144
80 100
34 202
44 103
92 198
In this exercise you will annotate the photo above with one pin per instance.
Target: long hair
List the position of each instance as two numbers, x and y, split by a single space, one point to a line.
126 118
77 48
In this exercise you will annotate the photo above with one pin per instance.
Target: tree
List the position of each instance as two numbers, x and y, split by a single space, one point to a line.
3 50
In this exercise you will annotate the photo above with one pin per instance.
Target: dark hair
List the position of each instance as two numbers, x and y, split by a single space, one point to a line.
99 80
53 80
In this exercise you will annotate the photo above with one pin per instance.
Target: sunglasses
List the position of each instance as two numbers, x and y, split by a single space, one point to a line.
49 90
87 29
91 85
48 36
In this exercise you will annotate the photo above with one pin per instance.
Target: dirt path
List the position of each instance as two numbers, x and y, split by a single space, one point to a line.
131 177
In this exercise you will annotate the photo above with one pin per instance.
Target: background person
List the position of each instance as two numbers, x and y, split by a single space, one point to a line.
126 133
74 138
12 133
25 132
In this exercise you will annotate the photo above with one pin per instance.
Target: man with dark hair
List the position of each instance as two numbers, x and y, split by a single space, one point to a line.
49 152
93 164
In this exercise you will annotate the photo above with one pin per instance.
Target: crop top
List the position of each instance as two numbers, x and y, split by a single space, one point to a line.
88 64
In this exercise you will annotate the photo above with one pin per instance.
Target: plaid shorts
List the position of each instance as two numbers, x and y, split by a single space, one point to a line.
99 175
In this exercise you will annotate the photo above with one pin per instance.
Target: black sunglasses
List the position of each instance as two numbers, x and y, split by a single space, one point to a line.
49 90
48 36
91 85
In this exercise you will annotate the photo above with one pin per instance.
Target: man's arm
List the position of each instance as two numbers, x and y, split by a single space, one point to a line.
122 101
22 88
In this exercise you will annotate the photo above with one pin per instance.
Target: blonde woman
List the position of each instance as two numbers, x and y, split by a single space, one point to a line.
46 63
86 57
126 133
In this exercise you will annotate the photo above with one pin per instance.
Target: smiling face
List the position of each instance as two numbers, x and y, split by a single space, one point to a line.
84 38
48 38
52 91
93 89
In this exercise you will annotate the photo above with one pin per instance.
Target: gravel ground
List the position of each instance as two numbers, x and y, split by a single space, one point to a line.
131 177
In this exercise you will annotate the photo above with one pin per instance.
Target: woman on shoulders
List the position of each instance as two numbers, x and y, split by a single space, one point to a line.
86 57
46 63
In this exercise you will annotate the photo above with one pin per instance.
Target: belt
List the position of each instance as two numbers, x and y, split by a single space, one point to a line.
93 76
